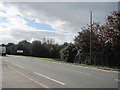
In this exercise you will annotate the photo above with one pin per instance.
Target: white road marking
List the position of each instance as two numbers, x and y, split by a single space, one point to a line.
76 71
49 78
18 65
117 80
24 75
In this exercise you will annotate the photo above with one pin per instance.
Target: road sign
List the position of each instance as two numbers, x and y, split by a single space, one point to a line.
19 51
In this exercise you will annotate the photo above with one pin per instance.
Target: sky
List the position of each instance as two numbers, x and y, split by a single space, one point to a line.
60 21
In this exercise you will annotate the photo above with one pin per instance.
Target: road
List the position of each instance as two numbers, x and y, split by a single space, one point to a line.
23 72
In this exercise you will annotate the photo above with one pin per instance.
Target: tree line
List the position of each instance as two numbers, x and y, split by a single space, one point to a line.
105 45
37 48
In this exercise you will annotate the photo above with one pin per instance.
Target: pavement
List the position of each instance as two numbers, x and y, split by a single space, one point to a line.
23 72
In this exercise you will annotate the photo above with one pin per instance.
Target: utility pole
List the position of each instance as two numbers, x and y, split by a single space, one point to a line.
91 38
119 6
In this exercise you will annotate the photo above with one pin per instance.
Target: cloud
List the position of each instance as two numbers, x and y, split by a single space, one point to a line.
62 17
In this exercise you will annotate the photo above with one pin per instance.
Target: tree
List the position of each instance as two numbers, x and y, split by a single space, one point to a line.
37 49
82 44
68 53
105 42
13 49
112 37
10 48
25 46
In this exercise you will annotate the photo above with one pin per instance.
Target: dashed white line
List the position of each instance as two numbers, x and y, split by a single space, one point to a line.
76 71
49 78
18 65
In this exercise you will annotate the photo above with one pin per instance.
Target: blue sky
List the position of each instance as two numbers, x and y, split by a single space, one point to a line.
2 10
3 19
40 26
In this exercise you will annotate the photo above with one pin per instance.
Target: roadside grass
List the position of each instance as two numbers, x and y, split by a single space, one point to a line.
84 65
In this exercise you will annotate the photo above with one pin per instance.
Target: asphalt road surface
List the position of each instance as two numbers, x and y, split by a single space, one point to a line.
23 72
